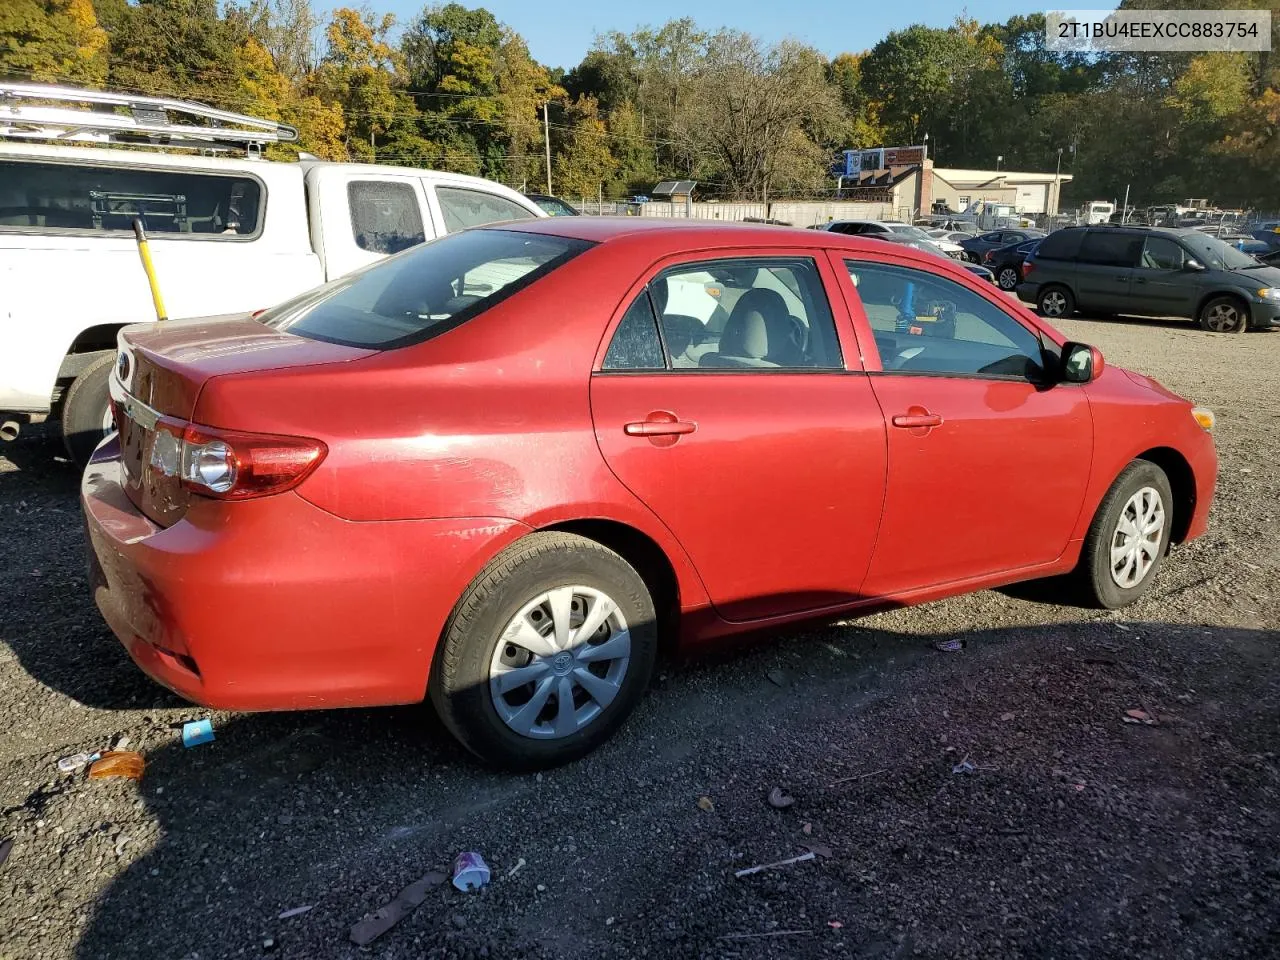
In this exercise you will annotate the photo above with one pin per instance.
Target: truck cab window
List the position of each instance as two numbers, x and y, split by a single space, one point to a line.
385 217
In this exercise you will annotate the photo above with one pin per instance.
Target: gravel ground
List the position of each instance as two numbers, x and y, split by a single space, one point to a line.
1076 835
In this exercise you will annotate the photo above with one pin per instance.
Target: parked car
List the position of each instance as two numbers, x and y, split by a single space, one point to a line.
882 228
975 248
1151 271
1006 262
936 249
481 471
553 206
228 235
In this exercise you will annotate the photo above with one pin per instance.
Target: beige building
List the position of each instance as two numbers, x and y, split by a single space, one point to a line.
913 190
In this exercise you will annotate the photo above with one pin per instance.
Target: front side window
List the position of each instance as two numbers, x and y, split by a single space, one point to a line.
747 314
1161 253
424 291
385 217
926 324
1215 254
1108 248
63 196
463 207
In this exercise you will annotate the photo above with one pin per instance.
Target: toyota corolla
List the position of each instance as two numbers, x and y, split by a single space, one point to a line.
495 471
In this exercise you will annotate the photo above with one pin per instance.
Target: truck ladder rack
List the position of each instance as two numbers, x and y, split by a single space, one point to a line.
26 114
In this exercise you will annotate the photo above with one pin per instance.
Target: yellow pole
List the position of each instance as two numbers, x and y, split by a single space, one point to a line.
144 252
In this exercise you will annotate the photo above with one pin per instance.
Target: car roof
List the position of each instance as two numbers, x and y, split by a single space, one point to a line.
671 236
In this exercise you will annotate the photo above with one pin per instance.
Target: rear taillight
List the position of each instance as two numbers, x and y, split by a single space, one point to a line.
234 465
988 257
1027 267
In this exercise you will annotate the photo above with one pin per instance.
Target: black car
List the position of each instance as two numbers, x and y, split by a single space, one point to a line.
553 205
1153 272
1006 262
976 247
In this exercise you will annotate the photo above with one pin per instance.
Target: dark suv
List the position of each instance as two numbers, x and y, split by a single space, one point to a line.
1151 272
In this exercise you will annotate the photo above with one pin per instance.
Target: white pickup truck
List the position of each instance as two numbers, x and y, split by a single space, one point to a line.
228 235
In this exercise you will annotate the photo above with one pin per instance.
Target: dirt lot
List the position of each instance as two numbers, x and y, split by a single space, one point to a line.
1076 836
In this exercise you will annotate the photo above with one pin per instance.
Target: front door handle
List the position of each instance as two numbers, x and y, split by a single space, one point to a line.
1139 280
917 420
659 428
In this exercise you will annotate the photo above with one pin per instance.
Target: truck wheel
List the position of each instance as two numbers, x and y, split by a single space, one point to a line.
1224 315
547 652
86 411
1128 538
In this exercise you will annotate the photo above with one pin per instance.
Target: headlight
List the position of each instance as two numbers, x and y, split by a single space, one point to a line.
1269 293
1204 417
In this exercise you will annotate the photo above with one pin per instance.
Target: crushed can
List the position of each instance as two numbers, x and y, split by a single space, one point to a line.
470 872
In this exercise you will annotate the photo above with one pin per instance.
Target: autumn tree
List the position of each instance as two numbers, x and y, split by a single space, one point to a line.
52 41
585 161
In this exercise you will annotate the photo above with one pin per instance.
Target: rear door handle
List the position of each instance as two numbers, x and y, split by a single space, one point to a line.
910 420
659 428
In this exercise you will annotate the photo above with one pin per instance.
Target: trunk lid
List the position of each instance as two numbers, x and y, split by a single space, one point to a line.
160 371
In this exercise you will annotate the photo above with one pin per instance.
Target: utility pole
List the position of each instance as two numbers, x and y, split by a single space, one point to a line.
372 147
546 138
1057 185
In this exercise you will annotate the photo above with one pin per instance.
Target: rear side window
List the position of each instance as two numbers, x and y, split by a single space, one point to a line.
63 196
464 208
385 217
1062 245
424 291
1108 248
635 344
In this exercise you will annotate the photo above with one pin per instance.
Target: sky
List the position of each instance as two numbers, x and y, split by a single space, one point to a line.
560 32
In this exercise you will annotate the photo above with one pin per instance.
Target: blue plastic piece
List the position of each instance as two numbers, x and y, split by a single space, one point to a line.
197 732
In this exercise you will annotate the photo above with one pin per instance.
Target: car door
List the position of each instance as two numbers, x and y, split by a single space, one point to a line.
745 434
1162 284
365 216
1104 270
988 463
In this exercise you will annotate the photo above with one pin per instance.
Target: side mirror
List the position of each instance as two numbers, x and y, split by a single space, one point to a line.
1081 363
1193 265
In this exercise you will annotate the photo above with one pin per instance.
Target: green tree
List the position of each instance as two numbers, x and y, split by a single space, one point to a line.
359 73
585 161
52 41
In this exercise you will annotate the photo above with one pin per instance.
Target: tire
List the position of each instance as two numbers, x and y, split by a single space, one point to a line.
1055 302
1224 315
86 410
507 599
1126 503
1007 277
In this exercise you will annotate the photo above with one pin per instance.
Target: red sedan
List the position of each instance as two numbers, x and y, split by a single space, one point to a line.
494 470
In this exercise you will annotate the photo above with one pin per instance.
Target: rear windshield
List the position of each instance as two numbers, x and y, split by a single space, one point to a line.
423 291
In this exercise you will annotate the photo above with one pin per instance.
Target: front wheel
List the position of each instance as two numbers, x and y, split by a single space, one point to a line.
1224 315
1128 538
86 411
547 653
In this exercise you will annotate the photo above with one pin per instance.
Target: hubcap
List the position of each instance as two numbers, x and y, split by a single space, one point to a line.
1135 543
561 660
1223 317
1008 278
1053 304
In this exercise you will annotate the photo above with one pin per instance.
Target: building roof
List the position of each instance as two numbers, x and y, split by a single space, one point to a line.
986 178
668 188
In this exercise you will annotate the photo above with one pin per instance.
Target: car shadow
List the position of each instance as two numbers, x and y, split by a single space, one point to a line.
340 810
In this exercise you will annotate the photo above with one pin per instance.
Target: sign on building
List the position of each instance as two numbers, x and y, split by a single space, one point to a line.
857 162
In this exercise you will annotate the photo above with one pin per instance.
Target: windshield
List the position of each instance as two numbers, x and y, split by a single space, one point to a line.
423 291
907 230
1215 254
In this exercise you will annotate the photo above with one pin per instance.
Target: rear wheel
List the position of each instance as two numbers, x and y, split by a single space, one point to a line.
1224 315
547 653
86 411
1056 302
1007 277
1128 538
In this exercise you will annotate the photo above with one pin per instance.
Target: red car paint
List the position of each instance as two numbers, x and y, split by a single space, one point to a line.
792 495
